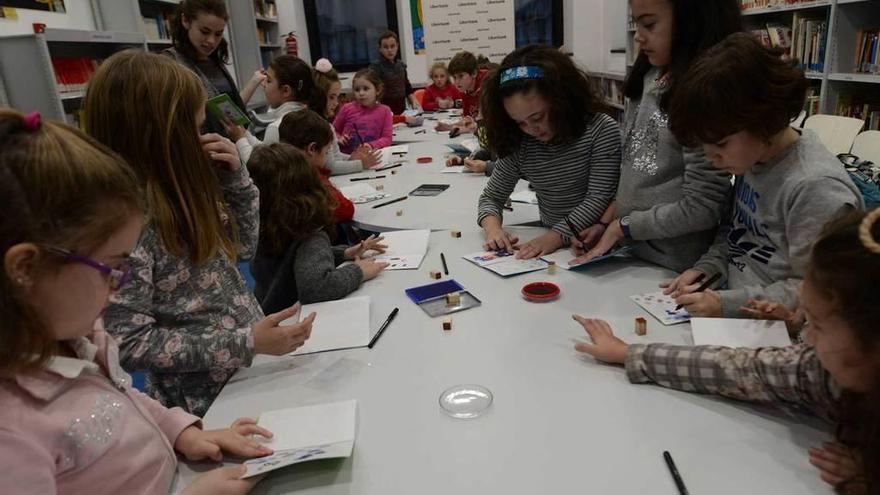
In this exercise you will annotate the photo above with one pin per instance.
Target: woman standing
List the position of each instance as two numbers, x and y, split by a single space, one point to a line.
197 34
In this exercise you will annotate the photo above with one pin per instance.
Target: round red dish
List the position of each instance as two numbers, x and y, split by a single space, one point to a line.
541 291
424 159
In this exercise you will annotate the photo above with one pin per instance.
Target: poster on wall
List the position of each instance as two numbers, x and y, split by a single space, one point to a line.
415 8
47 5
482 27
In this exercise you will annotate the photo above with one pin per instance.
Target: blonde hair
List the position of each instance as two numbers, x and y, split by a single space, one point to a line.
58 187
144 106
438 65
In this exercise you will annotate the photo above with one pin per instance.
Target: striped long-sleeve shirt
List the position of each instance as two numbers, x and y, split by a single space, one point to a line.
781 375
577 180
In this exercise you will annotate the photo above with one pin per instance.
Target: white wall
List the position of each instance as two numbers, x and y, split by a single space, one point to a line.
78 16
292 17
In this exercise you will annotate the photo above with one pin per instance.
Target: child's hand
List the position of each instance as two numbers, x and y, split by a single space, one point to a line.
683 284
701 304
498 239
539 246
369 158
371 243
196 444
344 139
370 268
836 463
589 237
475 166
454 161
443 126
235 132
605 347
258 78
270 337
224 481
608 240
468 124
769 310
221 150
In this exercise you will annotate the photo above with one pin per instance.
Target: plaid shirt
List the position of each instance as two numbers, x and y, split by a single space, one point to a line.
784 375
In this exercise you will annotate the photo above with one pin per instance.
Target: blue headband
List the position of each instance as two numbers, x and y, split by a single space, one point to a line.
521 72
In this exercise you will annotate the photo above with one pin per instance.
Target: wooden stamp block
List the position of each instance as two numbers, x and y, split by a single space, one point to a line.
456 234
447 323
400 213
551 268
453 299
435 274
641 326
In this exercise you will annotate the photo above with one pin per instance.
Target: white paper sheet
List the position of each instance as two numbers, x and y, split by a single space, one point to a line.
390 156
661 307
362 193
457 169
504 263
306 433
563 256
729 332
525 196
406 249
338 324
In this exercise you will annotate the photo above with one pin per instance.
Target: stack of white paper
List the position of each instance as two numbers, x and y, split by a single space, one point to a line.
729 332
394 154
341 324
406 249
322 431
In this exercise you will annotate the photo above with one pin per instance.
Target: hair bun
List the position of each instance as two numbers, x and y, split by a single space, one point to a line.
323 66
865 234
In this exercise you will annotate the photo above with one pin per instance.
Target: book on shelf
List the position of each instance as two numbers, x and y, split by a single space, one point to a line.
158 27
265 8
867 51
763 36
780 37
809 39
862 106
72 74
765 4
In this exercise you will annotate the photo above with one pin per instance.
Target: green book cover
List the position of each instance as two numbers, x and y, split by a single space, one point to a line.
222 106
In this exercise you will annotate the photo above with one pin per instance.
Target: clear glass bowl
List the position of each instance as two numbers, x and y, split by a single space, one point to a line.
465 401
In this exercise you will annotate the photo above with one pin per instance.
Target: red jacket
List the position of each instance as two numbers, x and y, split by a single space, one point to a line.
470 106
345 211
433 93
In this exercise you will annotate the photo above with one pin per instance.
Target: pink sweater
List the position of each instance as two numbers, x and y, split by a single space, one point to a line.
373 125
79 427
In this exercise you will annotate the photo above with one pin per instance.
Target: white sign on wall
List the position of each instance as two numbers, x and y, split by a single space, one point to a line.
482 27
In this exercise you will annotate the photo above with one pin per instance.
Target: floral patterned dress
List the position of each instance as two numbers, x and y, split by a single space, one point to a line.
189 326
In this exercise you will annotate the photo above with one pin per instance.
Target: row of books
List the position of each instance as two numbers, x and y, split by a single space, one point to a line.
613 90
72 74
860 106
265 8
808 40
158 27
763 4
264 36
867 51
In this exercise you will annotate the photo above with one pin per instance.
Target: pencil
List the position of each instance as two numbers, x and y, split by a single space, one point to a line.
388 202
367 178
705 285
443 260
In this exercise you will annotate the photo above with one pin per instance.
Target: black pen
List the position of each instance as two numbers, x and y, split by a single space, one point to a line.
382 328
420 132
368 178
445 268
682 490
389 202
705 285
387 167
574 231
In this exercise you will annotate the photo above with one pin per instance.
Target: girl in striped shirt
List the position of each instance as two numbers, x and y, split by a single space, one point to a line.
543 119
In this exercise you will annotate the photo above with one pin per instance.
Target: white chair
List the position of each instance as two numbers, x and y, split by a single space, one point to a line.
836 133
867 146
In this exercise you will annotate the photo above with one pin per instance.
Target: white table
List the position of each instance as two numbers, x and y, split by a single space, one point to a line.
454 208
561 423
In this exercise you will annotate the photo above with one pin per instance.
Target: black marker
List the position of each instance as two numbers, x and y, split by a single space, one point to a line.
382 328
445 268
682 490
367 178
389 202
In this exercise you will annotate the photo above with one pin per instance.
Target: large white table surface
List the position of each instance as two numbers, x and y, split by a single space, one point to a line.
561 423
453 209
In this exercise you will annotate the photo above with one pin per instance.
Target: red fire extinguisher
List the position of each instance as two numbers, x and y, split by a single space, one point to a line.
290 44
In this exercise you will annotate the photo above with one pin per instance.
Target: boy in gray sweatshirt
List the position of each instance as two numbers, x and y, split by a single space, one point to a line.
788 185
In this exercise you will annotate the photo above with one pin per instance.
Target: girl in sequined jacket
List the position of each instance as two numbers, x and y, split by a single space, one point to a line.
835 374
71 422
670 199
187 317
